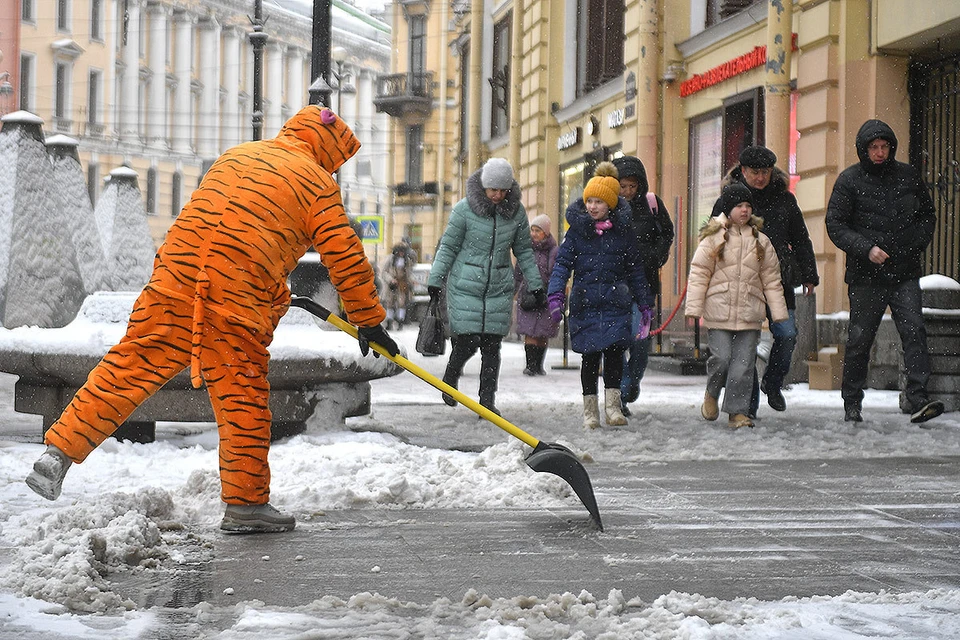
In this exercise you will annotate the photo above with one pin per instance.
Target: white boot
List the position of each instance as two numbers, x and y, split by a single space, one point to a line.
591 412
46 479
611 407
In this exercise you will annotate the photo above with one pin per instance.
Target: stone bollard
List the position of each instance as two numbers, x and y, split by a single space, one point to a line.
941 312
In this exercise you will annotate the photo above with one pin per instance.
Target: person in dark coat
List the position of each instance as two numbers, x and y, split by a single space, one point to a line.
474 270
783 223
599 249
533 318
881 215
654 234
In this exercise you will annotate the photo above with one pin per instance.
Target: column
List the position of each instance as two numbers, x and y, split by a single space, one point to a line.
208 140
182 127
157 107
232 132
273 90
296 95
129 81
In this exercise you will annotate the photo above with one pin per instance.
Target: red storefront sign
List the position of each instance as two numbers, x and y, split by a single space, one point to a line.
741 64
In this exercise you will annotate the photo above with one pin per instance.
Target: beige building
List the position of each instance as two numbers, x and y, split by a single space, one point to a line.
165 86
691 82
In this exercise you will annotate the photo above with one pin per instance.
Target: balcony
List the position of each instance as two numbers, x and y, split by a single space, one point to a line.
400 94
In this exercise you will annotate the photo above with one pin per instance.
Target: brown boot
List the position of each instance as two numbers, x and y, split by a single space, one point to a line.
709 409
738 420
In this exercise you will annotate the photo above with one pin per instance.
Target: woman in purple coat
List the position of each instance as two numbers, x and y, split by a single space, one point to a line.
533 321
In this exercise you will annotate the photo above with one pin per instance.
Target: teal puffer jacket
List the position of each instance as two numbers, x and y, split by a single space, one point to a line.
473 260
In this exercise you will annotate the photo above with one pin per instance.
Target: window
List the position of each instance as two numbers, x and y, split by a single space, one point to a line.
500 81
96 20
26 81
742 125
63 15
152 191
94 98
418 54
27 11
61 100
600 53
415 156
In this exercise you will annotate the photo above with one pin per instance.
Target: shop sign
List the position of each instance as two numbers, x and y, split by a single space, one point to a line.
568 139
741 64
615 119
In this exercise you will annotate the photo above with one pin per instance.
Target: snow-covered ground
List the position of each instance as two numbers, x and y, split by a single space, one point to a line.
129 506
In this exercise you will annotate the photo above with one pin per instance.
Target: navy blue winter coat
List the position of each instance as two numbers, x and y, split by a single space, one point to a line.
607 278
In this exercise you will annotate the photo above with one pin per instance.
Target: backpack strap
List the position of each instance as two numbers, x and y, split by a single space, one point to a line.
652 202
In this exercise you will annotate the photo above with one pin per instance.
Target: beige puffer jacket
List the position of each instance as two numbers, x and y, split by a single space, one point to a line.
730 292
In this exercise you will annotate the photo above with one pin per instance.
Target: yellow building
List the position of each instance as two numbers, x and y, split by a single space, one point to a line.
689 84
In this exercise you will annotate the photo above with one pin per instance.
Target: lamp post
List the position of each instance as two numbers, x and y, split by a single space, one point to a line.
339 56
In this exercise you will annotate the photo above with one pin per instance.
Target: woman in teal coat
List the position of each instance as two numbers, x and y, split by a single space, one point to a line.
473 265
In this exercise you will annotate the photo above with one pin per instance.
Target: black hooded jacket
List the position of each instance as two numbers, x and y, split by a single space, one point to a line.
783 223
885 205
654 233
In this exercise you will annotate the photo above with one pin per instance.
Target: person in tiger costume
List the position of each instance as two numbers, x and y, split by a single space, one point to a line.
216 294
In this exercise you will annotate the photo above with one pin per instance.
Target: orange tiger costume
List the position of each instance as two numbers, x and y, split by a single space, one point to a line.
219 289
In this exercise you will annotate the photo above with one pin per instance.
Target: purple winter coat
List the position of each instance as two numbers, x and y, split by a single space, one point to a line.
536 324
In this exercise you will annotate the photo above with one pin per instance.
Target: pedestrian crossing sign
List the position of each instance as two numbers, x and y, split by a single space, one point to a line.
371 228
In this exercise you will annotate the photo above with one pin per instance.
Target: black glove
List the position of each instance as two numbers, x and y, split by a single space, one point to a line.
366 335
540 295
434 292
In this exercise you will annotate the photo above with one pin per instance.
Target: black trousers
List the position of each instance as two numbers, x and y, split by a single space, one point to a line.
612 369
463 347
867 304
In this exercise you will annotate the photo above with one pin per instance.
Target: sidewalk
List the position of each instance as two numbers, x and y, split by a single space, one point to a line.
802 505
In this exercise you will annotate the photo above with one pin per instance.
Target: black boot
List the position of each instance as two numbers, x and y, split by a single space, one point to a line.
541 355
489 371
531 352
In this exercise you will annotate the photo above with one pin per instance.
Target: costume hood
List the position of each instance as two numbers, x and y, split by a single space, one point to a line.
321 134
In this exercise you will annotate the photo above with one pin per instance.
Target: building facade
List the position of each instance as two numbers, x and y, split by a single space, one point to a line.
556 86
165 86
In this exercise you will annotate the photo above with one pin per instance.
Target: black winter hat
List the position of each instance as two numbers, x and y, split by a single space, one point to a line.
733 194
757 157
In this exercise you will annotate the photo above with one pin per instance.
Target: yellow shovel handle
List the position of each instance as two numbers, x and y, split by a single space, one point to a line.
431 379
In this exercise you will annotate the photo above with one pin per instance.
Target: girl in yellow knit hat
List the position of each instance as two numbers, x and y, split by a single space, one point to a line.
599 249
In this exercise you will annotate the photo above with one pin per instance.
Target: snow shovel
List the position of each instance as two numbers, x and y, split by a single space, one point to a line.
546 457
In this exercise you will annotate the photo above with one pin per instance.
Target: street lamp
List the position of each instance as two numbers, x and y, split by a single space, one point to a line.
339 56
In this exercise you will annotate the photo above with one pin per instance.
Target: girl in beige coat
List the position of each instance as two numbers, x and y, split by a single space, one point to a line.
734 275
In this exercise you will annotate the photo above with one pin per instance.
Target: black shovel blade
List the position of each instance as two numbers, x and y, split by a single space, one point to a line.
559 460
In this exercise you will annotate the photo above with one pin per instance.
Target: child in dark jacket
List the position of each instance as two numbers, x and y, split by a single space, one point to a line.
600 250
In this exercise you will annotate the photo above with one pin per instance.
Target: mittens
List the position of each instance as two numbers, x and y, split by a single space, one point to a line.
555 303
646 317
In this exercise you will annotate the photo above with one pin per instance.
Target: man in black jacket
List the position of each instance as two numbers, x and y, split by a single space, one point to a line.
881 215
783 223
654 235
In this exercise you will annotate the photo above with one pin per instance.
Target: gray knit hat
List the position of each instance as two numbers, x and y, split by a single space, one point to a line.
496 174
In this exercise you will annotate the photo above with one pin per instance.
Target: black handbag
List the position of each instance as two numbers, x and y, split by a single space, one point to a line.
431 340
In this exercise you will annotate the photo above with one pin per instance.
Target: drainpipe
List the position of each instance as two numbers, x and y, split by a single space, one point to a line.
438 222
476 74
516 80
777 95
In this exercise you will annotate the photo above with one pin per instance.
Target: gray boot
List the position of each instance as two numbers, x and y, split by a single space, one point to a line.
46 479
255 518
591 412
611 407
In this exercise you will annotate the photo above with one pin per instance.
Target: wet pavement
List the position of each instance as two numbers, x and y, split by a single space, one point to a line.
723 528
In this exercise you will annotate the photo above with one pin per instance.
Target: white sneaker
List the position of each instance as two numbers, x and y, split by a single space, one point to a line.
46 479
255 518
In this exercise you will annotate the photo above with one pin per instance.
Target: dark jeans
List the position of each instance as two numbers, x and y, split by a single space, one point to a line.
463 347
612 369
781 354
867 304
